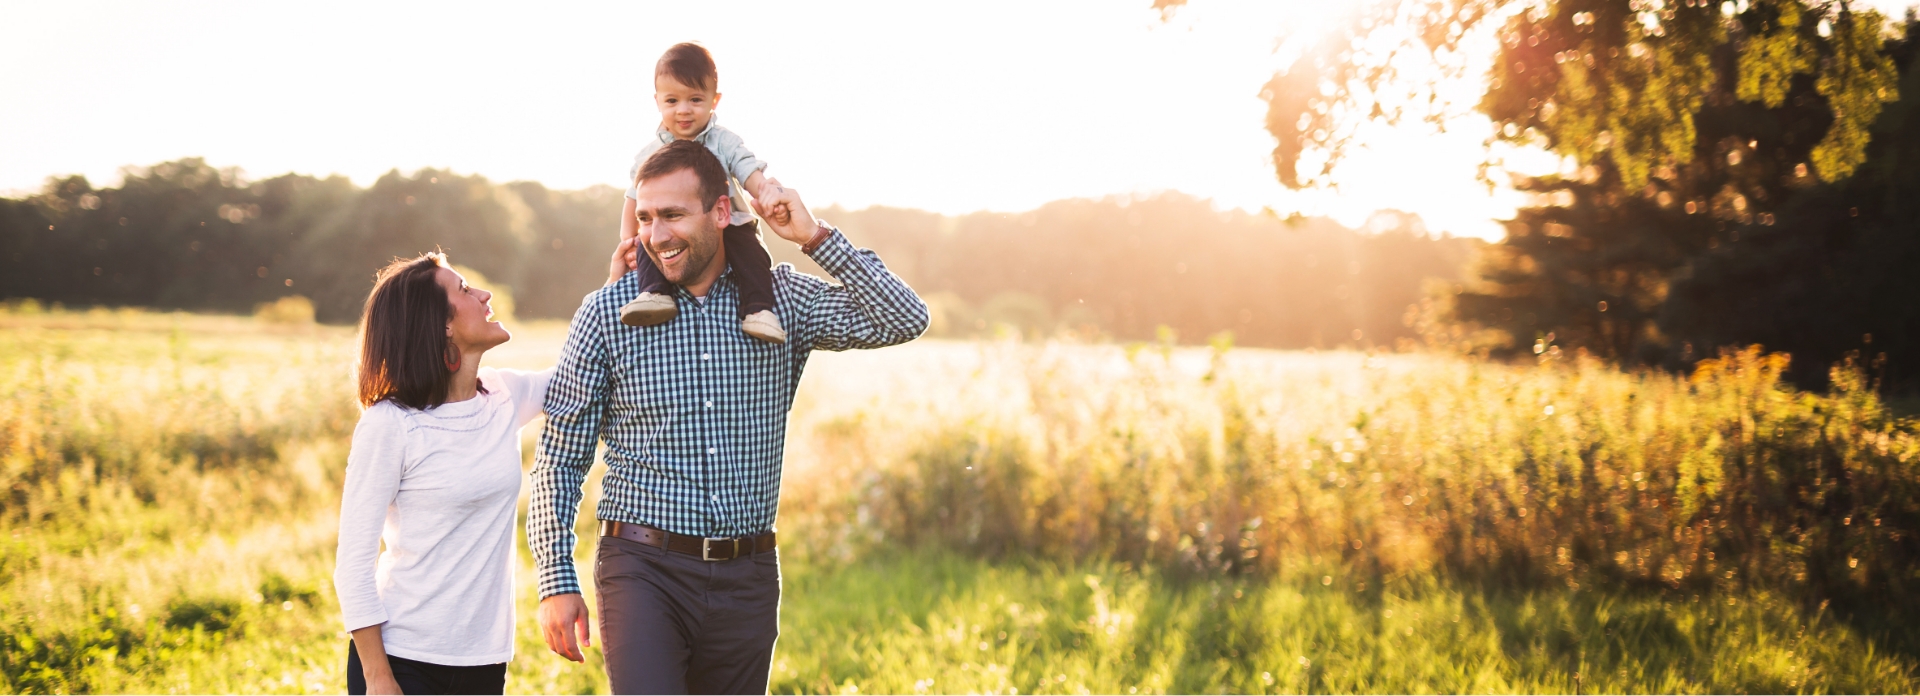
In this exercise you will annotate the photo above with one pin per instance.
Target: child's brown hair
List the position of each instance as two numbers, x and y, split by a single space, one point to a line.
690 64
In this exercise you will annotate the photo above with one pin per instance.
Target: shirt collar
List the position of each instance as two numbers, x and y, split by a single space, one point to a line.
666 136
724 281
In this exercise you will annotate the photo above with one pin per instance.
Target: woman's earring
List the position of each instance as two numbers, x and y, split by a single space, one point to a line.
451 358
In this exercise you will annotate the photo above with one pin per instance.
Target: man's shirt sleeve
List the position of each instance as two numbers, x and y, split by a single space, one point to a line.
870 308
576 403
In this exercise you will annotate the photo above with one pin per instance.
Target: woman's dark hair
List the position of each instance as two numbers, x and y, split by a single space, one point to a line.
403 339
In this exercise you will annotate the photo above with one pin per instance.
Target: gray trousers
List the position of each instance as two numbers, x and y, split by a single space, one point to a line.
674 624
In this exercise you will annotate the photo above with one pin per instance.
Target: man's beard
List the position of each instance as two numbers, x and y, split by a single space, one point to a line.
702 246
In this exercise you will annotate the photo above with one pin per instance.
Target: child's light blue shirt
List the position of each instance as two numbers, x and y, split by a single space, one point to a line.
723 143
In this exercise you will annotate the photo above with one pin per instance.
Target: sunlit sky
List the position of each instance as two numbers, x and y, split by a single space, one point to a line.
953 108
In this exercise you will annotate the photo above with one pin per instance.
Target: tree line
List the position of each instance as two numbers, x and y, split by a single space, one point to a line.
187 235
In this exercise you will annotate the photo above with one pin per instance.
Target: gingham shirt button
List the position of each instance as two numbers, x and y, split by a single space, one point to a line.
709 404
706 356
711 450
716 497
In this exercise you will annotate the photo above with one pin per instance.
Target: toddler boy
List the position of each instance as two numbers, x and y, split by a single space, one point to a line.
686 91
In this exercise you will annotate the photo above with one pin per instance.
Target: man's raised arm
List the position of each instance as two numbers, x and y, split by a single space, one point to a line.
871 308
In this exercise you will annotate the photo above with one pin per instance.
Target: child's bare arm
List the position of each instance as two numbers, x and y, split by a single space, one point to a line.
756 182
623 260
753 183
628 225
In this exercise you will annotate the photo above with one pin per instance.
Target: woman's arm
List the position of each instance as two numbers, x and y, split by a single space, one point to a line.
373 661
528 390
374 466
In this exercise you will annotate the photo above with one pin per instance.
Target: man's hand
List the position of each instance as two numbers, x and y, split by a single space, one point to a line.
783 211
624 259
561 617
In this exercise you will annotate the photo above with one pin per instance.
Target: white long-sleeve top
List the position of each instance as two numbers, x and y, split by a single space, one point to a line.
439 486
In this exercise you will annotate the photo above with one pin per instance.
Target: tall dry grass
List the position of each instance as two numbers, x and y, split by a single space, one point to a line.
167 480
1363 466
172 486
144 410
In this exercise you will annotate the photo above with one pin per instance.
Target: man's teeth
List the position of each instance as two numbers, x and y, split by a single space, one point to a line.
665 255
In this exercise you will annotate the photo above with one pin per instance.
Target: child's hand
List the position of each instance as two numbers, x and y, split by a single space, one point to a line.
776 213
786 214
625 257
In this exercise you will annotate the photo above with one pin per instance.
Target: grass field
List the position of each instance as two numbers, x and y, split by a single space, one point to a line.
1032 518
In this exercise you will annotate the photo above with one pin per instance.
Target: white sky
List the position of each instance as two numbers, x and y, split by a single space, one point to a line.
962 107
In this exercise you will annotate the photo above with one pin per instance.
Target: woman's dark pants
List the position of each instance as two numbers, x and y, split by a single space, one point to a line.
416 677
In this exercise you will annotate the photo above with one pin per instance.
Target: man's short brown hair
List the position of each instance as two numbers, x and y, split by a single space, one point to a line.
689 64
688 154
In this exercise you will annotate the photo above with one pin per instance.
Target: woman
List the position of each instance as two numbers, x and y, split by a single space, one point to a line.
435 474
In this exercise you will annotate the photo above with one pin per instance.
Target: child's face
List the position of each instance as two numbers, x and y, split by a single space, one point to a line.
684 110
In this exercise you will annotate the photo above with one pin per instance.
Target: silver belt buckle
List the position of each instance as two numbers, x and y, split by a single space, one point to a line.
706 549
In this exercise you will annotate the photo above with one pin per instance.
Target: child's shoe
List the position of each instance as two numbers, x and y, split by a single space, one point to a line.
765 326
650 308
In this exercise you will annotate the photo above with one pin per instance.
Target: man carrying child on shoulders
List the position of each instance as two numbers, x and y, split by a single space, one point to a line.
693 412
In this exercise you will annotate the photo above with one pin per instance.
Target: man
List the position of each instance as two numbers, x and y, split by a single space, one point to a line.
694 416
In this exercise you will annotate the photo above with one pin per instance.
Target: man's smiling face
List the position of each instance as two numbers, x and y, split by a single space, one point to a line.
682 239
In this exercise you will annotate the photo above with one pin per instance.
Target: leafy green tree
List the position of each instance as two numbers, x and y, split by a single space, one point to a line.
1834 273
1779 113
1699 133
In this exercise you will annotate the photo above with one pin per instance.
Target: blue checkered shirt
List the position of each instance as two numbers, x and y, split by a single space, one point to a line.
694 411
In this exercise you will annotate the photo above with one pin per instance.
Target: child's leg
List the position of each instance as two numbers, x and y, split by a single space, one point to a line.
651 279
752 267
654 304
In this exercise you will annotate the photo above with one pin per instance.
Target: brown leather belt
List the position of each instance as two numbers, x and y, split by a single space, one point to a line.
703 548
